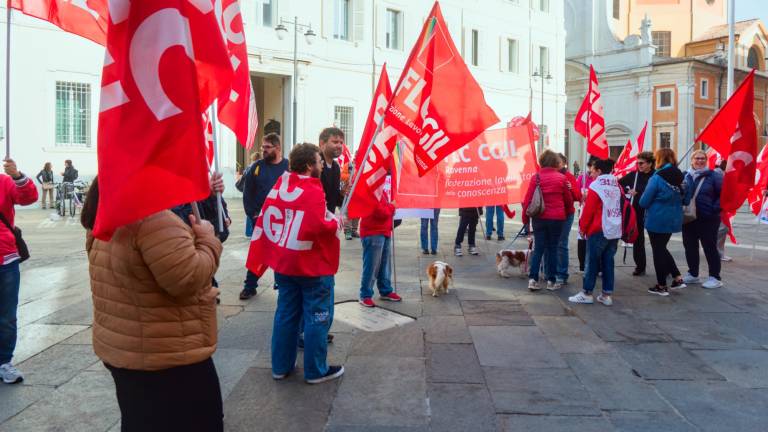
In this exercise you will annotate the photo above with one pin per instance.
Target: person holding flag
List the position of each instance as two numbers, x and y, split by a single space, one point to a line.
702 190
634 185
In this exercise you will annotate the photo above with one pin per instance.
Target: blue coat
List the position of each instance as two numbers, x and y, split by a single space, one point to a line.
708 199
663 202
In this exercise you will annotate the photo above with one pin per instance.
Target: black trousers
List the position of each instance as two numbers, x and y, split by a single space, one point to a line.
663 262
638 249
183 398
581 246
704 231
468 225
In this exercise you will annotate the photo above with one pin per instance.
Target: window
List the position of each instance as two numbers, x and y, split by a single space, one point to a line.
542 5
394 27
343 118
664 100
665 139
511 55
616 9
475 55
753 59
341 19
543 61
73 114
663 42
267 10
704 89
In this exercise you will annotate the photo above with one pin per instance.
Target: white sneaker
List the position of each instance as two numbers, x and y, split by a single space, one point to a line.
554 286
582 298
605 299
473 251
712 283
533 285
726 258
10 374
688 279
457 251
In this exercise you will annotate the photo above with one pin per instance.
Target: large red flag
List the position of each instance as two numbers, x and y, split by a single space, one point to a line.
627 161
86 18
237 108
590 120
168 63
713 158
369 188
437 105
756 195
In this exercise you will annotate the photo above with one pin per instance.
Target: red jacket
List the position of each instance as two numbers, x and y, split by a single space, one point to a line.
557 197
575 192
380 221
20 192
591 221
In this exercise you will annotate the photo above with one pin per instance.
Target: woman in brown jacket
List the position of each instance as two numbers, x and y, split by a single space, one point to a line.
154 323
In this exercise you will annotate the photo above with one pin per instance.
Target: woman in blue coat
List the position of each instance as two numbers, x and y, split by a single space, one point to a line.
663 204
705 185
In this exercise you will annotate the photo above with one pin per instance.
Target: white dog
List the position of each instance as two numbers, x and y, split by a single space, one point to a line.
440 276
508 259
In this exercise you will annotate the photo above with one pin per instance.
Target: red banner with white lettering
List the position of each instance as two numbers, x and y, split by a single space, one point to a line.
590 119
437 105
627 161
494 169
757 194
168 63
86 18
295 234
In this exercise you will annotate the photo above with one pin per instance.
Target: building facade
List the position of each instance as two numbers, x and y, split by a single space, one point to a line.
56 76
676 82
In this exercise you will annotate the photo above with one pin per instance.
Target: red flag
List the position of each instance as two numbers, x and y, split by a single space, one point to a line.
373 175
713 158
627 161
756 195
237 108
86 18
733 134
590 120
168 63
437 105
345 157
295 234
727 220
209 143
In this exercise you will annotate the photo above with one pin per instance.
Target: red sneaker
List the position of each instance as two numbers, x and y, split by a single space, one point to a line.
367 302
393 297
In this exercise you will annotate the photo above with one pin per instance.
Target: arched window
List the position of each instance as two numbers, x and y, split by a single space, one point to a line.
753 59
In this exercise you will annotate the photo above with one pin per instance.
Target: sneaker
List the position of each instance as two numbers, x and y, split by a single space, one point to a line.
638 272
333 373
487 237
424 252
434 252
726 258
473 250
712 283
280 377
348 235
393 297
10 374
355 234
605 299
533 285
690 279
247 293
678 284
501 238
457 251
554 286
659 290
367 302
582 298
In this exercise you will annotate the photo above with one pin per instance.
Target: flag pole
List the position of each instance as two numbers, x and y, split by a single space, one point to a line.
219 204
731 37
8 80
394 261
359 171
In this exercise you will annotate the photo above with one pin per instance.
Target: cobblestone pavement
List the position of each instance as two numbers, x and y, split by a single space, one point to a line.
487 356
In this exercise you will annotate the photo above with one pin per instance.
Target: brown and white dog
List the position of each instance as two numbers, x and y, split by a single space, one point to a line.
508 259
440 276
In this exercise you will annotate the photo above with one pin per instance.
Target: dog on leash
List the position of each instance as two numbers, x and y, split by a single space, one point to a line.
440 276
509 259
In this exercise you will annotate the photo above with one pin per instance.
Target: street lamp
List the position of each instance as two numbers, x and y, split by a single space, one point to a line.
536 75
309 35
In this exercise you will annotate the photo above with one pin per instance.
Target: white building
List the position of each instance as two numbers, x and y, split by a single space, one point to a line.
56 76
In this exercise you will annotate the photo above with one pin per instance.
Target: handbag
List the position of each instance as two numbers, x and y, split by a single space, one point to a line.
21 245
536 207
689 211
47 186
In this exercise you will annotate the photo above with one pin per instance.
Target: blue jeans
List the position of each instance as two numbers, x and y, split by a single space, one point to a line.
377 266
561 273
431 226
310 299
546 235
489 211
9 300
600 253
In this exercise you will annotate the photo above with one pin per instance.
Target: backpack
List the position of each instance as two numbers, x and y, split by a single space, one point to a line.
629 231
536 207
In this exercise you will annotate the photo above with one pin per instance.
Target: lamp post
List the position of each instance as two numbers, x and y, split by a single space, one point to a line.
309 35
536 75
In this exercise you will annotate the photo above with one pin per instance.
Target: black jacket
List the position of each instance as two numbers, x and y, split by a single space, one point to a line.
70 174
331 180
628 182
471 212
209 210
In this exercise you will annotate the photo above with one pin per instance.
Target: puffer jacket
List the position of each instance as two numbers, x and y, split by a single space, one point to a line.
153 304
663 201
13 192
557 196
708 199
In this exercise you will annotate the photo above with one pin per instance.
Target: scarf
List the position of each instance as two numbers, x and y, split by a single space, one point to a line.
695 173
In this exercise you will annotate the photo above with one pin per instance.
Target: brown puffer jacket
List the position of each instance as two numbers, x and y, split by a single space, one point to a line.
154 307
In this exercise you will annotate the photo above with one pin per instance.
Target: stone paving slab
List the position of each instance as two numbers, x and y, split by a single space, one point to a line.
16 398
406 341
461 407
705 334
58 364
634 421
443 305
453 363
78 313
231 365
752 326
746 368
495 313
571 335
36 338
619 325
536 423
446 329
515 347
665 361
248 330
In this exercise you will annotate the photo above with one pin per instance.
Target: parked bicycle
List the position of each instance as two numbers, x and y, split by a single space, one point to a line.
70 196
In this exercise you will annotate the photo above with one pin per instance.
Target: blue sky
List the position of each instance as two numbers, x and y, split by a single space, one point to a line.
748 9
